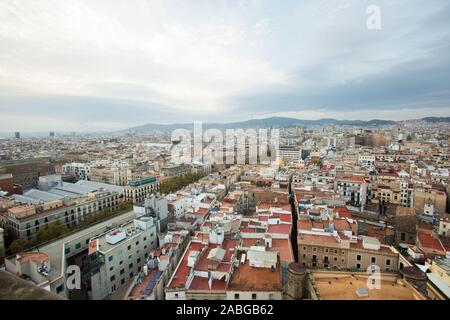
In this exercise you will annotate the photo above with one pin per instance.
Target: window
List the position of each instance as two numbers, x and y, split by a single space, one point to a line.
388 262
129 257
122 271
129 247
236 296
253 296
111 269
358 266
326 250
60 288
78 245
110 258
373 259
304 248
314 249
131 275
113 278
130 265
67 250
122 281
358 257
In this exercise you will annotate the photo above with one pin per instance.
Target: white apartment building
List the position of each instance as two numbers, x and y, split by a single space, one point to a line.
121 255
47 267
352 189
290 153
80 170
366 160
444 227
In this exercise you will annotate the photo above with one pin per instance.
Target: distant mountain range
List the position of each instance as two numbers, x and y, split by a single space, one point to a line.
275 122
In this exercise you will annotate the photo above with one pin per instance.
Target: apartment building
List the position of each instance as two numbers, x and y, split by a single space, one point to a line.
422 196
69 204
176 170
6 183
339 252
110 175
137 190
327 232
26 172
366 160
50 261
82 171
398 193
444 227
149 284
155 206
257 277
352 188
119 255
438 286
290 153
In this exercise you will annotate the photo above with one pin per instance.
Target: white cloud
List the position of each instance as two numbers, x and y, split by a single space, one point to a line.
59 47
209 56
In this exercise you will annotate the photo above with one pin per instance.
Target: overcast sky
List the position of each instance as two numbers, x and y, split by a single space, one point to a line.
102 64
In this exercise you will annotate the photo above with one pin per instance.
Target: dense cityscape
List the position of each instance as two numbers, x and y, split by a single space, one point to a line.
226 158
337 204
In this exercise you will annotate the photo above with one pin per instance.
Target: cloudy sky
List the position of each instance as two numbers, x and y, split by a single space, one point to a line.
102 64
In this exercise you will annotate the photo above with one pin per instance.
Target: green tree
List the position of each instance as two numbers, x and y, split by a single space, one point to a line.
18 245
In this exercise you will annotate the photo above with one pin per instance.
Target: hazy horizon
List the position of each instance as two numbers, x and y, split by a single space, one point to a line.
46 132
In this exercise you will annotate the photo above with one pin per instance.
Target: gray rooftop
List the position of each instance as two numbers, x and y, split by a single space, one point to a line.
42 195
97 185
15 288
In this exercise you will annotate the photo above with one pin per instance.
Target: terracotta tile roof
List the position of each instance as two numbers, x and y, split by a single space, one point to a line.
247 278
427 241
181 274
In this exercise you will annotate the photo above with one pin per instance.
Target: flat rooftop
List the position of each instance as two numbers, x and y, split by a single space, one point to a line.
247 278
15 288
55 249
344 288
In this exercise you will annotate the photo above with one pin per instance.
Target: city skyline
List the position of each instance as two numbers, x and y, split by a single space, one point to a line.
101 66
